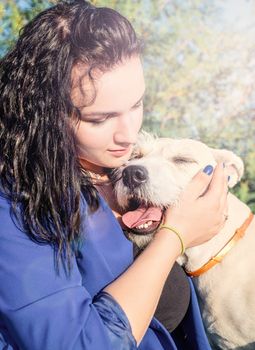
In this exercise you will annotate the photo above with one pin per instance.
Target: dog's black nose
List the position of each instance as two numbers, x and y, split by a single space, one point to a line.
134 175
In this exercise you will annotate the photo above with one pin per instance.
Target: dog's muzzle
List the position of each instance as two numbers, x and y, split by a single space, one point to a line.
141 217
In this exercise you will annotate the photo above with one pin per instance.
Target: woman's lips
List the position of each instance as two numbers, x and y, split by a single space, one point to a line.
119 152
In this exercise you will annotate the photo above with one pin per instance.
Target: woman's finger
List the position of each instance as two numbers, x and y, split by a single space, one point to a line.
200 182
218 184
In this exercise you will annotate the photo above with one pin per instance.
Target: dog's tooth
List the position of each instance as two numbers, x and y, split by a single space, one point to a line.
141 226
145 225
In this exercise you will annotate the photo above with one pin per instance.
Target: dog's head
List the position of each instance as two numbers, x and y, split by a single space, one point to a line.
155 176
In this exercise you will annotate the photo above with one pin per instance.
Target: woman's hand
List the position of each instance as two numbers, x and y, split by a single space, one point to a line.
202 209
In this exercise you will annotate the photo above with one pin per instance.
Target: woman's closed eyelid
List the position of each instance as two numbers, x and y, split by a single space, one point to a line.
99 121
96 121
138 104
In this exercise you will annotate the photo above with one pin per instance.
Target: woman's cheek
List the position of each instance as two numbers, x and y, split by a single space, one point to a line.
138 119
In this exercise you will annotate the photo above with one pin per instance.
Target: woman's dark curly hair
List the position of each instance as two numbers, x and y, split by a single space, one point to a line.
39 171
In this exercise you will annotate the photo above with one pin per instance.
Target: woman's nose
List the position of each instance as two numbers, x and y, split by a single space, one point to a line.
127 131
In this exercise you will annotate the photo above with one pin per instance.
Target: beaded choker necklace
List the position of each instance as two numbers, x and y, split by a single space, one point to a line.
96 173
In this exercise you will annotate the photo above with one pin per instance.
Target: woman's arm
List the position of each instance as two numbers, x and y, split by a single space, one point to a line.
198 218
41 309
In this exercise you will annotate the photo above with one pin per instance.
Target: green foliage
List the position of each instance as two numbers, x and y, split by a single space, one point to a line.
14 14
246 190
199 69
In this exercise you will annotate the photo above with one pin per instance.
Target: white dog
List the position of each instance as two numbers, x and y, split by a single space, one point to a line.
152 181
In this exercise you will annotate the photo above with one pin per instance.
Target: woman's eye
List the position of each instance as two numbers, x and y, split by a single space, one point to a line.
138 104
101 121
98 121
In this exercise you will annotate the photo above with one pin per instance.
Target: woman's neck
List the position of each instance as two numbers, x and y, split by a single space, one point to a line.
94 168
101 181
96 172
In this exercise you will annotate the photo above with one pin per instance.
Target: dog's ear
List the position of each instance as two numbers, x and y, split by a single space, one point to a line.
234 164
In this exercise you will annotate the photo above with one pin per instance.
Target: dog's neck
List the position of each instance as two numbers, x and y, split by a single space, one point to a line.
237 214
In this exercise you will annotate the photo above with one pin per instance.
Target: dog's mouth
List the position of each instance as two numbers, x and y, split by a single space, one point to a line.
142 218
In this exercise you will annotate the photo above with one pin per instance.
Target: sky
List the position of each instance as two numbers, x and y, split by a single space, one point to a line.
237 14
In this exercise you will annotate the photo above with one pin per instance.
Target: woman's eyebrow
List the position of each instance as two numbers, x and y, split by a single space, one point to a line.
104 114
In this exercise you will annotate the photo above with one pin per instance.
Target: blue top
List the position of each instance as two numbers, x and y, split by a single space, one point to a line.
43 310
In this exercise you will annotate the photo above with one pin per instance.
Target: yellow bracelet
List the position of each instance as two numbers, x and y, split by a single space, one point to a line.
177 234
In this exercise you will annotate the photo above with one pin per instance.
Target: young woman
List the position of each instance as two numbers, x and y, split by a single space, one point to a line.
71 93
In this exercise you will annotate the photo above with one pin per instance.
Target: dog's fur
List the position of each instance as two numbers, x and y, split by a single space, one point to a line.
225 292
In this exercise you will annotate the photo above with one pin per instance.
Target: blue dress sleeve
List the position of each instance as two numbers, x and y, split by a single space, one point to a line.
43 310
116 322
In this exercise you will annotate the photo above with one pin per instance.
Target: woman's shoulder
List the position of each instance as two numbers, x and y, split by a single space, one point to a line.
4 201
11 229
5 212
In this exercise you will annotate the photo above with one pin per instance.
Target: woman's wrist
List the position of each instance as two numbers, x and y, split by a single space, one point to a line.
169 240
174 231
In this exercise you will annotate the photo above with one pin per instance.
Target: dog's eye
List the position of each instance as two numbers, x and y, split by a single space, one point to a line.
136 155
183 160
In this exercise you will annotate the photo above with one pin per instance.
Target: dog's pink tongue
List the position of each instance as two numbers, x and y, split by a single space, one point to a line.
140 216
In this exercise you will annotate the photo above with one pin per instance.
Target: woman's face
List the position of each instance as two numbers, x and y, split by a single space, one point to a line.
109 127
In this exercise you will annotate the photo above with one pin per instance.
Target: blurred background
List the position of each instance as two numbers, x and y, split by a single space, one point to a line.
199 62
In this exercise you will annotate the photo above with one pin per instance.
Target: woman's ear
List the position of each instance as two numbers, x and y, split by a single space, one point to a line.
234 164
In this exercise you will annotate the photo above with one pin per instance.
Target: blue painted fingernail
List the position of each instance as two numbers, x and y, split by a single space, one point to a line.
228 178
208 169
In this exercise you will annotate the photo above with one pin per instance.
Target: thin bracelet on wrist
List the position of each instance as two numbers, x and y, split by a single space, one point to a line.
177 234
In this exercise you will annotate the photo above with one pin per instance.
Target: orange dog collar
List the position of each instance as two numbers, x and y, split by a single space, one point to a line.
239 233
